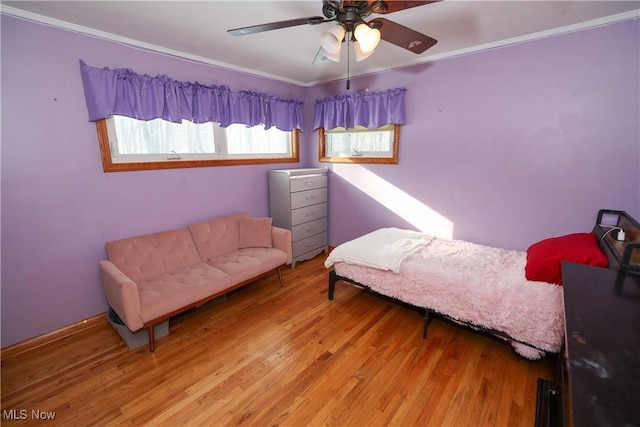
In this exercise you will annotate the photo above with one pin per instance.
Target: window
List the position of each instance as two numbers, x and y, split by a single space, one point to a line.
360 144
128 144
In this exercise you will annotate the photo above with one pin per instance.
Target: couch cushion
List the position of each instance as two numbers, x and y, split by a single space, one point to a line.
255 233
152 254
168 292
217 237
245 264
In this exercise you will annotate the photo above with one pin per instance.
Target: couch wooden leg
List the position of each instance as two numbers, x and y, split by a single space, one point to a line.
152 343
280 277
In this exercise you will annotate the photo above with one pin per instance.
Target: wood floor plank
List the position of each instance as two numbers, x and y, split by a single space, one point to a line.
272 355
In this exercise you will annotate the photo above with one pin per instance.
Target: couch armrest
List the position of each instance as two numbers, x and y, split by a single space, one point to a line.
121 294
281 239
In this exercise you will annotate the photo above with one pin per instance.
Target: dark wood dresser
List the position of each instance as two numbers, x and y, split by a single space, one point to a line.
597 381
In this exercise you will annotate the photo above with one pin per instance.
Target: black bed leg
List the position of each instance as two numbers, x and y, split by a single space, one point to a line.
333 278
426 324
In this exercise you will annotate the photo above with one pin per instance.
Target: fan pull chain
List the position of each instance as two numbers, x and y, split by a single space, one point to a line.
348 60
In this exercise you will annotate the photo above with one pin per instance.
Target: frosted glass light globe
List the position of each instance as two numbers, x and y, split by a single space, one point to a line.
331 41
368 37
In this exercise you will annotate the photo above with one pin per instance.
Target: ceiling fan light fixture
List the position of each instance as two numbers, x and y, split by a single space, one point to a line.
331 41
367 36
351 27
360 55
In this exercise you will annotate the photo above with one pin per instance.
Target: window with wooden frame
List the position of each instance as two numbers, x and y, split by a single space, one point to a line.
360 144
128 144
146 122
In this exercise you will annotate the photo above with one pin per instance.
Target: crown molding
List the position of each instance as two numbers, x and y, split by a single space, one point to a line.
594 23
103 35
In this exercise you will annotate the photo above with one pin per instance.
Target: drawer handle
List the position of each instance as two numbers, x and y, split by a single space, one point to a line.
310 214
309 183
311 229
310 197
311 243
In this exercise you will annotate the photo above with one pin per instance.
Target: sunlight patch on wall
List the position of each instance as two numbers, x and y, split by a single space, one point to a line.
399 202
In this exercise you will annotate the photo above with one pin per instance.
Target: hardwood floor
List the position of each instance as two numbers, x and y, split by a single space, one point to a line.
277 356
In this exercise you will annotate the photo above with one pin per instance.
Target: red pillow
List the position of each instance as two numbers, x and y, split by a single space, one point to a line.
544 257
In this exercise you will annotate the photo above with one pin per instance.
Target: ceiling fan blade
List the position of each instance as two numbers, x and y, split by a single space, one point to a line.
394 5
403 36
276 25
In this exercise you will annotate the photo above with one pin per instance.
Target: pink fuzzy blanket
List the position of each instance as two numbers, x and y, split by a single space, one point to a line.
477 285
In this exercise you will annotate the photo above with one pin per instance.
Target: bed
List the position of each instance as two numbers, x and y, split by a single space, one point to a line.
514 295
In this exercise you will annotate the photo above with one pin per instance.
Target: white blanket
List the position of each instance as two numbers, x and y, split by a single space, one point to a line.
384 249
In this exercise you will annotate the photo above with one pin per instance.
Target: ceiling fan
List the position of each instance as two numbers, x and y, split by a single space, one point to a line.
349 15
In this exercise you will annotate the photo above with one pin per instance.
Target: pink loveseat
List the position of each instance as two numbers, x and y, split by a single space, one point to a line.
152 277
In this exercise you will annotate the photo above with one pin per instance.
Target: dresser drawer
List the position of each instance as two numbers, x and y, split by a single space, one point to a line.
310 243
310 197
309 213
308 182
307 229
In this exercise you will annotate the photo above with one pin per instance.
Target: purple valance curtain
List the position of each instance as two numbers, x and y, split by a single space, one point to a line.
371 110
124 93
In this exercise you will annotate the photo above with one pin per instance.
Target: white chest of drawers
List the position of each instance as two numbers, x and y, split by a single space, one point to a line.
298 202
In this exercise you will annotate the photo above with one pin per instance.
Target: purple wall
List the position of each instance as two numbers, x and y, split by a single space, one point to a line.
503 148
58 207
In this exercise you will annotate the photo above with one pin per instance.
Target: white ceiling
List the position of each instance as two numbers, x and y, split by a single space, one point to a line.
197 30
